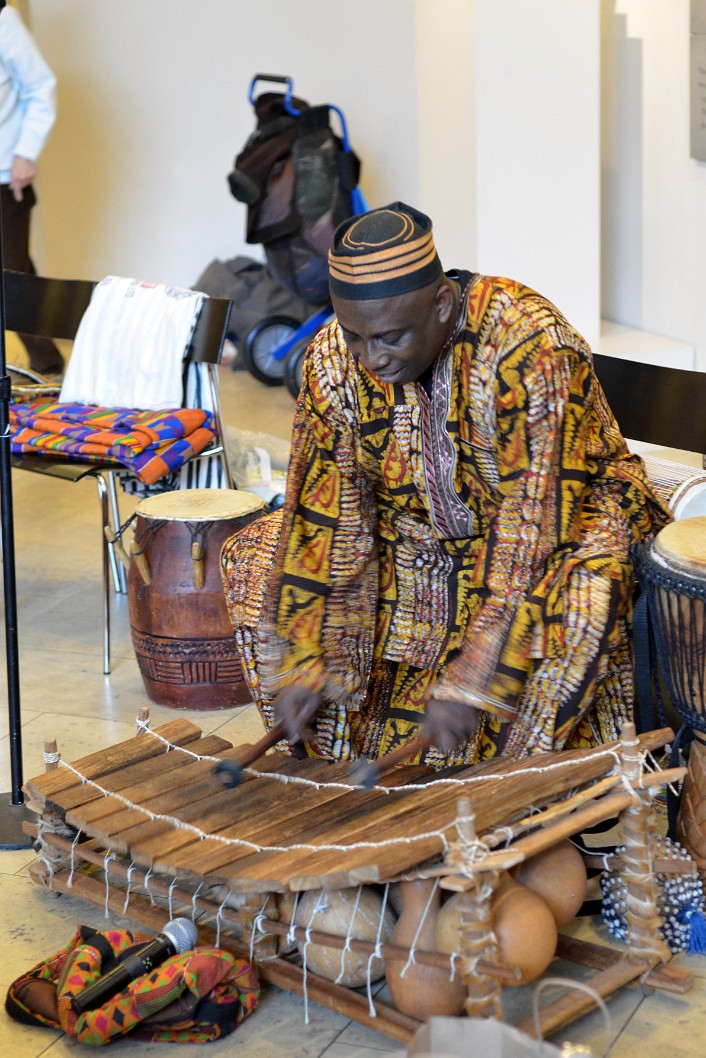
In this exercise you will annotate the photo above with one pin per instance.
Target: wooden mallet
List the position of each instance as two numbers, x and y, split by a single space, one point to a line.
367 773
230 772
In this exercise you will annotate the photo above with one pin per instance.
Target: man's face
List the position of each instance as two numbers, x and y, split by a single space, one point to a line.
396 339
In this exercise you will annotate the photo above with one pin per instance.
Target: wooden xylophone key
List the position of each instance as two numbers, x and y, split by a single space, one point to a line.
276 817
97 766
92 802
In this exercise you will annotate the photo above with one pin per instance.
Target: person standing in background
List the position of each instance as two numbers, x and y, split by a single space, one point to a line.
27 115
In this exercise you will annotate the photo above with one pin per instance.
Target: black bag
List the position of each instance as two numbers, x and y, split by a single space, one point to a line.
255 294
297 179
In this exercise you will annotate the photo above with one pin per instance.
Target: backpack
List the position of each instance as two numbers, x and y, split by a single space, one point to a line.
297 178
255 294
195 997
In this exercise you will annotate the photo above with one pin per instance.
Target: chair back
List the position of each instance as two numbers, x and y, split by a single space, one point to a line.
53 308
660 405
210 332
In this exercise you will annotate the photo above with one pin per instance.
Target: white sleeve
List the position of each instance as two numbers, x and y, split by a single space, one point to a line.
35 82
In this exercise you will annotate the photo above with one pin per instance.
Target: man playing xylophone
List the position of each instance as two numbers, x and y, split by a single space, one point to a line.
459 515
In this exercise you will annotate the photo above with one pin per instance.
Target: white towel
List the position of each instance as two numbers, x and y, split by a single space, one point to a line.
130 345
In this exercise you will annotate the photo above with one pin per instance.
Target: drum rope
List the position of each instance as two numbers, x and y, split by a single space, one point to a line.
681 656
197 529
675 605
141 542
122 529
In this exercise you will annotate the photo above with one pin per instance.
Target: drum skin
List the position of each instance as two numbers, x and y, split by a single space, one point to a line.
182 634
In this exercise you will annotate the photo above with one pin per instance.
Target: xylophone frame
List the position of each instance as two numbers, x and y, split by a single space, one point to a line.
252 934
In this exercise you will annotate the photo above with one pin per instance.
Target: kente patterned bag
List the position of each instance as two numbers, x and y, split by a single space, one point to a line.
195 997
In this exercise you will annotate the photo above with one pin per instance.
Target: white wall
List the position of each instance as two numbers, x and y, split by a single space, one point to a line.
537 141
153 108
509 142
654 194
446 118
483 112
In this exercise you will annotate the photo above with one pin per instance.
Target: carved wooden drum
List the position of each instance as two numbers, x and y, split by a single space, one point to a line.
181 631
673 574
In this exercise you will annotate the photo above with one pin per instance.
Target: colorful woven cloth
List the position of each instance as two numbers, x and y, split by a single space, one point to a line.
149 443
197 996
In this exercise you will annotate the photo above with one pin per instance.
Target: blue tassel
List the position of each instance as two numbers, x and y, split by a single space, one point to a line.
697 931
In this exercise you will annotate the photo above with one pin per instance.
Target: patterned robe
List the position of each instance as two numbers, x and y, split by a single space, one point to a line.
476 528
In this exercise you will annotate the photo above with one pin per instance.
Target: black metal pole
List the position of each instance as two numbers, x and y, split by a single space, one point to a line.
11 816
8 558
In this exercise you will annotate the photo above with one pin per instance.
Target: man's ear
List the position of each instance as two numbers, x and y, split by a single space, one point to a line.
445 303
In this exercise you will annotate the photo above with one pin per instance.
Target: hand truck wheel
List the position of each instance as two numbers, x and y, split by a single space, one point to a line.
294 368
260 348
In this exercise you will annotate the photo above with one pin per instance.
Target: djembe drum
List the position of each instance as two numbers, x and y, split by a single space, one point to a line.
181 631
673 574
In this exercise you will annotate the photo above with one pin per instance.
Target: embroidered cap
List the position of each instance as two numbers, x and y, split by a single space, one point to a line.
383 253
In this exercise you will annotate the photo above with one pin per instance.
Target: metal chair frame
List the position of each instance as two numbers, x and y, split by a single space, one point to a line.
53 308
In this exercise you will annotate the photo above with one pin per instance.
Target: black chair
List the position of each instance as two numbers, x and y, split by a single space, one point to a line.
53 308
660 405
663 406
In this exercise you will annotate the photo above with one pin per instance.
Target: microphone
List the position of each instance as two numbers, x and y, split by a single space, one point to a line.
178 936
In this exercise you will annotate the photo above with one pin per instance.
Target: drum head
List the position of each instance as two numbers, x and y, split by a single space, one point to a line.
199 505
682 545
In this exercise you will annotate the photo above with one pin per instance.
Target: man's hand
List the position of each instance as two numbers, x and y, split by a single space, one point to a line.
297 706
449 723
22 173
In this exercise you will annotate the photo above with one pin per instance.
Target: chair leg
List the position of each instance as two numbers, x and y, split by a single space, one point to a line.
119 574
220 427
105 509
103 494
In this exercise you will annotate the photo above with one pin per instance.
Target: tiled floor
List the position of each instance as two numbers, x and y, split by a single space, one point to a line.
65 696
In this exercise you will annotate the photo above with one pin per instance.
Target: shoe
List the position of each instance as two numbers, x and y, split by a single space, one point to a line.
52 379
56 377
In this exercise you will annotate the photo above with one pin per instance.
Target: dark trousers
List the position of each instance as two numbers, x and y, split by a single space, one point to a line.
44 356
